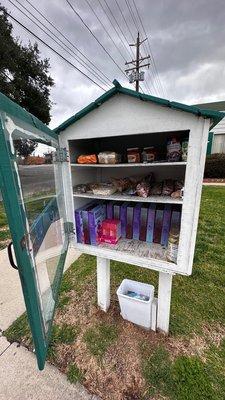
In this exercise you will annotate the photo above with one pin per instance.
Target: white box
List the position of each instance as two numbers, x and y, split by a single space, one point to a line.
134 310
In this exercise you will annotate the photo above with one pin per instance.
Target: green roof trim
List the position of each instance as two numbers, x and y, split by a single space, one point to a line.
10 107
216 116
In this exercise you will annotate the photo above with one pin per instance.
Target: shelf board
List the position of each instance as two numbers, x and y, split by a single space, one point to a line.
146 255
121 197
127 165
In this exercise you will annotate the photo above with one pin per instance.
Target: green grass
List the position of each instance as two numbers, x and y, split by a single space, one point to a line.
197 301
99 338
65 333
74 374
186 378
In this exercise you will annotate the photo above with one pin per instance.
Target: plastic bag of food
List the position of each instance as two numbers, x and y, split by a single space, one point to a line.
104 189
82 188
177 194
156 189
87 159
143 189
121 184
173 149
168 187
178 185
109 157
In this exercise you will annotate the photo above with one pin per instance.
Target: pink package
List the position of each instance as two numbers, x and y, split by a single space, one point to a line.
111 231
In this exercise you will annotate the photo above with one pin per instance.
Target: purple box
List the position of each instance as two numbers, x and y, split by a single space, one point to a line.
116 210
166 224
143 222
129 227
175 218
95 217
79 222
109 210
136 221
123 219
158 224
150 223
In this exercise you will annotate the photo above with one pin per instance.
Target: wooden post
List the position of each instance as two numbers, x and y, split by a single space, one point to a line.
164 298
103 283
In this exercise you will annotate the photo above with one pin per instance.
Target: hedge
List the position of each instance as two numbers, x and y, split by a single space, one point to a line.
215 166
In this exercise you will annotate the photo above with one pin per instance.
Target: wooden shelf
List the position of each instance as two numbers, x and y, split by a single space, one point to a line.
121 197
131 165
147 255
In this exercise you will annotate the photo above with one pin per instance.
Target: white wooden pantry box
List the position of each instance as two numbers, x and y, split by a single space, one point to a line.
119 119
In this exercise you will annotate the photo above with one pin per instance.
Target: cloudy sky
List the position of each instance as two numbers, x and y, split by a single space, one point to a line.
187 40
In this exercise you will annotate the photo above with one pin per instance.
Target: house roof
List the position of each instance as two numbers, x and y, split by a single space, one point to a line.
215 116
216 105
12 108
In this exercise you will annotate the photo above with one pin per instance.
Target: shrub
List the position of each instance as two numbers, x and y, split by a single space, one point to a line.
215 166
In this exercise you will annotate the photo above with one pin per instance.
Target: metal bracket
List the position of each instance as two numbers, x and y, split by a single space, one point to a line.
61 155
68 228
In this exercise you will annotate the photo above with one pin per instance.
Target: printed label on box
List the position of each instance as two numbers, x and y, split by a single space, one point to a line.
143 222
166 224
150 223
136 221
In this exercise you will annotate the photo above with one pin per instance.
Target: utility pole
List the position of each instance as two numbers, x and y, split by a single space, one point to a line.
135 75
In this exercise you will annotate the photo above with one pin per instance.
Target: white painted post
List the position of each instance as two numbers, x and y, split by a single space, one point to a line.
103 283
164 298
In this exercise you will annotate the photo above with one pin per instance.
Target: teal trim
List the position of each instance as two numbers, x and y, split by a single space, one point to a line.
16 215
215 116
210 141
16 219
12 108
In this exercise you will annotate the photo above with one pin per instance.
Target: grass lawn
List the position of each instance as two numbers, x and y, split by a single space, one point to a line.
117 360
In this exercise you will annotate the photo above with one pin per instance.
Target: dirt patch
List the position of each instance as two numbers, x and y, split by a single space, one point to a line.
118 375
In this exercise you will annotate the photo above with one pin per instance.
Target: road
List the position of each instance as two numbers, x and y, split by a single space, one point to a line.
36 178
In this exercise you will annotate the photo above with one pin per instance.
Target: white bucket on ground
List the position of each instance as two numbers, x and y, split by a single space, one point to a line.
133 309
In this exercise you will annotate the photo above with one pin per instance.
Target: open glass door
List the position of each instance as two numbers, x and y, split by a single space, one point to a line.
34 202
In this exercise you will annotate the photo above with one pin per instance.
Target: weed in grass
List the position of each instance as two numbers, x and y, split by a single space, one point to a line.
99 338
4 234
190 380
157 371
3 219
63 301
19 330
74 374
66 334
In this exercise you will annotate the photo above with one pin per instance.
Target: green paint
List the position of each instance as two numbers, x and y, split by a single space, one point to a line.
17 220
210 141
215 116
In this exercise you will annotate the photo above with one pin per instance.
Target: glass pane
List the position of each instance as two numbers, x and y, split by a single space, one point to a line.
43 202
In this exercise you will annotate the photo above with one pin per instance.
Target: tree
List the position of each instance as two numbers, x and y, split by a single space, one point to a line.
24 77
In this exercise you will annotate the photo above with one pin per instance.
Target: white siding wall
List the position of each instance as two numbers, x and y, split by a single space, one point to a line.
218 145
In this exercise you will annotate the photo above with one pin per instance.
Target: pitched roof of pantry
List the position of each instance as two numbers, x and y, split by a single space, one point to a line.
215 116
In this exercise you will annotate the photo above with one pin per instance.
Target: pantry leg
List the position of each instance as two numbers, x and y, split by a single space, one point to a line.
164 298
103 283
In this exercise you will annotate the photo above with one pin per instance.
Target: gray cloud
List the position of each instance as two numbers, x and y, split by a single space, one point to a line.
187 41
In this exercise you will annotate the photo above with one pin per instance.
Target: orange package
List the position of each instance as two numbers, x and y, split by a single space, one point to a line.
87 159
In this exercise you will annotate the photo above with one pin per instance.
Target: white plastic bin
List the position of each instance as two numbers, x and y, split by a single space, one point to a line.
132 309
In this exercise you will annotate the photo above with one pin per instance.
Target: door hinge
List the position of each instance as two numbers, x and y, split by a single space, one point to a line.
68 228
61 155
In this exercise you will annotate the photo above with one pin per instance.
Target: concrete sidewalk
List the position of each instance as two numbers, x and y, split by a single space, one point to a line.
19 376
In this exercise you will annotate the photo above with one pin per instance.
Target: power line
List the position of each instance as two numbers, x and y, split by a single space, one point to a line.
68 40
121 35
56 41
125 21
55 51
156 88
103 26
142 25
84 23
